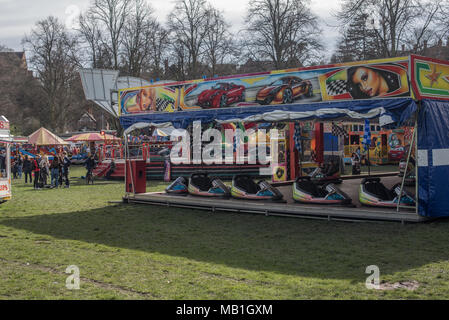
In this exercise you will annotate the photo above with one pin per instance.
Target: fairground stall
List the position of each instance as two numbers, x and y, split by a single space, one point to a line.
5 160
100 144
382 95
45 143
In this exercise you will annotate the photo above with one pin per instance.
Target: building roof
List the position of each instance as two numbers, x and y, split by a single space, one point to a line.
438 51
19 57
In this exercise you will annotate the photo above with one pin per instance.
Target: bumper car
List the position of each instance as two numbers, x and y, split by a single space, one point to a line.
200 184
373 193
79 158
306 191
178 187
410 179
244 187
326 173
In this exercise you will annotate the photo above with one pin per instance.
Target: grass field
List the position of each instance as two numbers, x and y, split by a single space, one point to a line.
145 252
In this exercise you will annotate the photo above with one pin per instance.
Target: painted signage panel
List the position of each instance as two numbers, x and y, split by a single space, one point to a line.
4 188
385 78
430 77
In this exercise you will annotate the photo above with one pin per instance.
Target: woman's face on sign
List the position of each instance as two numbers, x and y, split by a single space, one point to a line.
146 99
370 82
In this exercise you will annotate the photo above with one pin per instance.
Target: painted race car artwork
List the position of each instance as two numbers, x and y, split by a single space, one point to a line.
285 90
384 78
221 95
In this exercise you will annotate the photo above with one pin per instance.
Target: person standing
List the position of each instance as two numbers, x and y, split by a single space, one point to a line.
358 153
65 169
60 174
27 168
2 160
44 170
111 170
36 170
19 165
90 166
14 168
54 172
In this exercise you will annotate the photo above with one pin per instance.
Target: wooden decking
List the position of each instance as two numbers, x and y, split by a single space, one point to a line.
277 209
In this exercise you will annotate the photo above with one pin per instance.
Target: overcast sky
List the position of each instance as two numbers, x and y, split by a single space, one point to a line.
17 17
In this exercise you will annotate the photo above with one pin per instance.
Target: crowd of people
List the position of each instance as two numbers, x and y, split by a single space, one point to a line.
47 171
42 169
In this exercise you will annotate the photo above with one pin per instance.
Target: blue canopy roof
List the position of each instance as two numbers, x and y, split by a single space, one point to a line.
388 110
433 133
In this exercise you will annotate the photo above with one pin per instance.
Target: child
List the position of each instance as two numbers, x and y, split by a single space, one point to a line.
355 161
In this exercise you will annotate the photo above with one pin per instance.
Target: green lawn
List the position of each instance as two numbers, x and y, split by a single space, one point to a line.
145 252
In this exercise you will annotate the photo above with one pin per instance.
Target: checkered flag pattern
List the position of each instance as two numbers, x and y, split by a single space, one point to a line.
339 131
336 87
297 137
367 135
162 104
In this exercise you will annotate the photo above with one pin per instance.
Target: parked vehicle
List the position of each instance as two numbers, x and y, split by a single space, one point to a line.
372 192
244 187
306 191
200 184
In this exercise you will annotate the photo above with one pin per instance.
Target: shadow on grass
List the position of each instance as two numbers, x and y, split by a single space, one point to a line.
74 182
331 250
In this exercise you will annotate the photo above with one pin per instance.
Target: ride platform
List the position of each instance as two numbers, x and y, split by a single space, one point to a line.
289 209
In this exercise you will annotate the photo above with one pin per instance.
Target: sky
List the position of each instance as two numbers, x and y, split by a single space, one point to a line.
17 17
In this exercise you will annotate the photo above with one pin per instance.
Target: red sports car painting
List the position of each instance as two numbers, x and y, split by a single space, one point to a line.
396 154
221 95
284 91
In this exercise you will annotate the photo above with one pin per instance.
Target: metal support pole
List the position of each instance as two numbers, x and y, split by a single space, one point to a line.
112 92
126 158
126 167
416 158
332 139
408 160
8 164
369 161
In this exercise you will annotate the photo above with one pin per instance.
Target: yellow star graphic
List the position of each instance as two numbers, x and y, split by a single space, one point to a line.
434 76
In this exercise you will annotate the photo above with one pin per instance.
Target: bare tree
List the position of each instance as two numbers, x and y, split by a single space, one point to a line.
138 30
179 59
430 26
284 31
159 44
52 50
219 46
442 20
188 29
113 15
15 83
395 22
91 35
